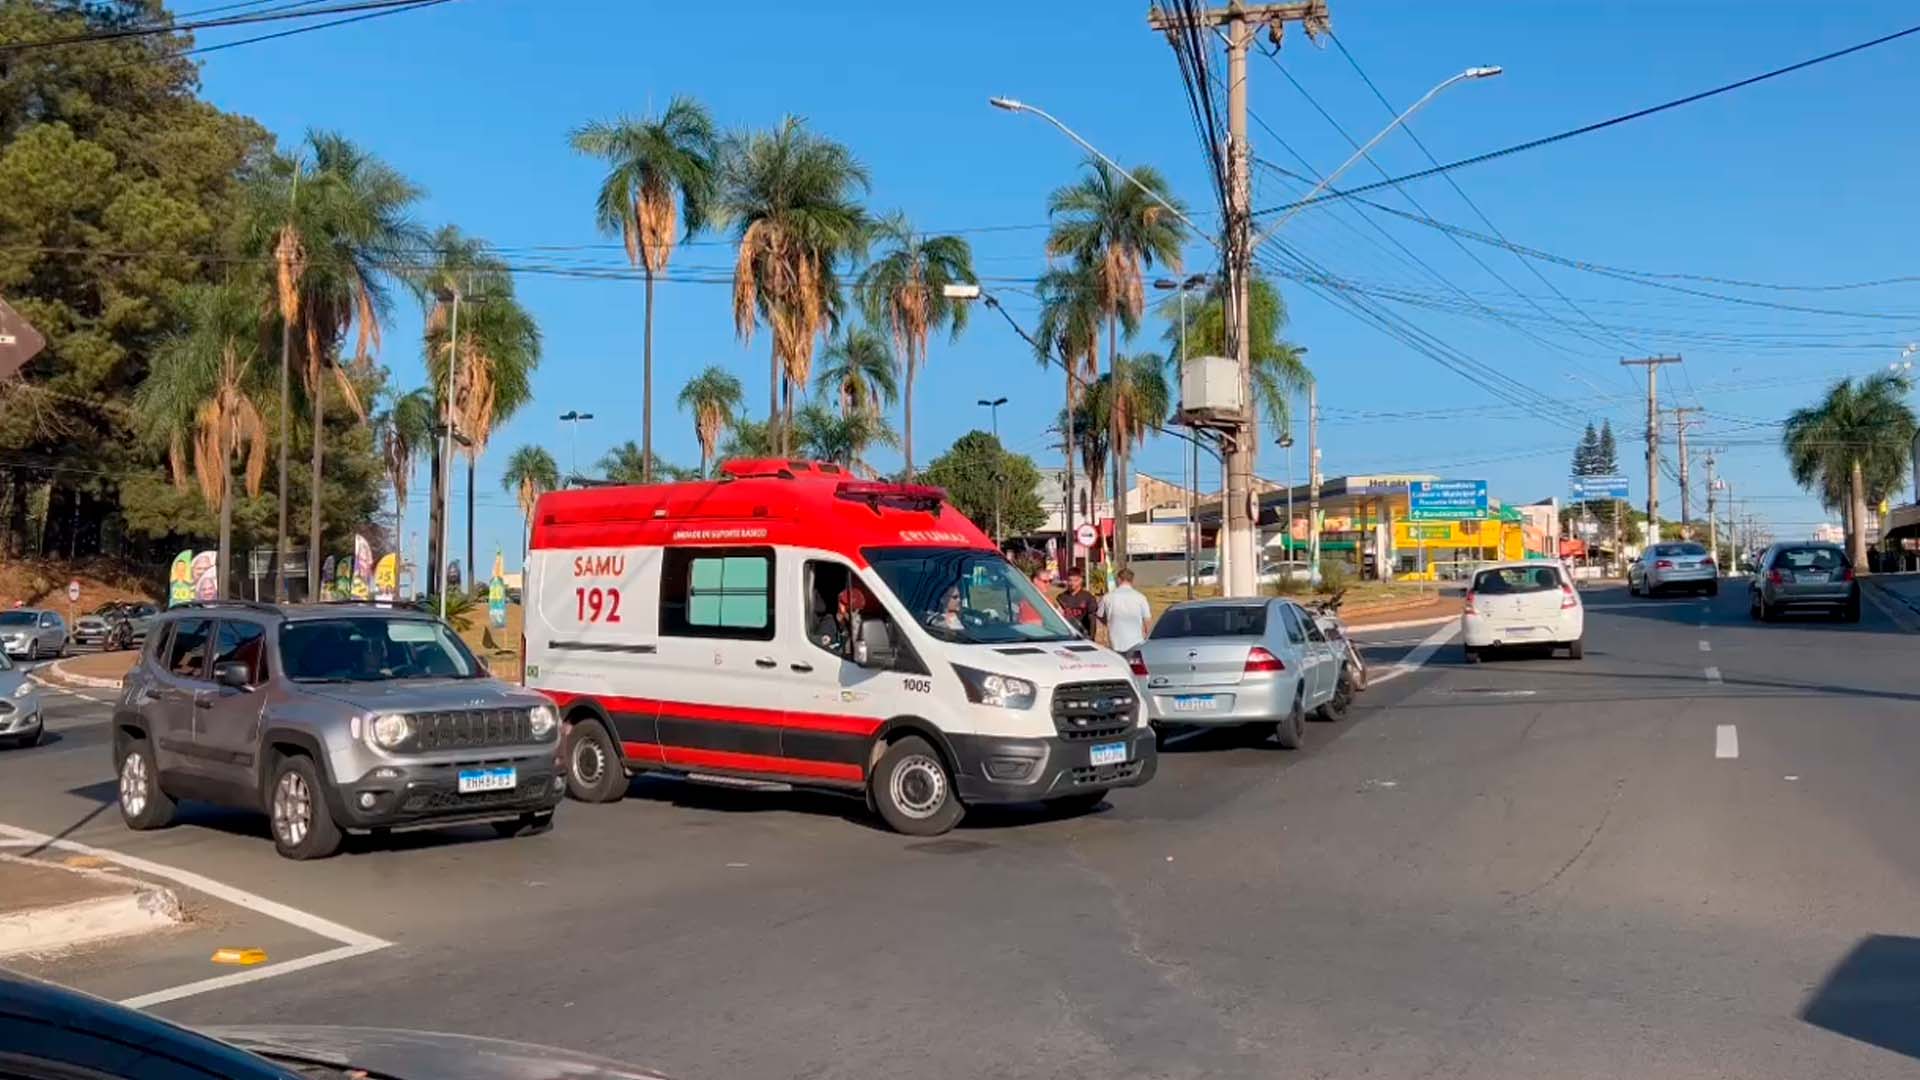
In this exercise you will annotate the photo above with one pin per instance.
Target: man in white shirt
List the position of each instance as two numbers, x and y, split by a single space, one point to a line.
1127 614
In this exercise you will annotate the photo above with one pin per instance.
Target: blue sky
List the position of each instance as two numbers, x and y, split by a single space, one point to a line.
1802 181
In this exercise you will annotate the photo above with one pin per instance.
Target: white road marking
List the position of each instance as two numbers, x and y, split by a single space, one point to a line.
1706 646
1726 741
1421 653
351 942
1713 674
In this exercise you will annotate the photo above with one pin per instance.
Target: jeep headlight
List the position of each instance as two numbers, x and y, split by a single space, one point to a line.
389 731
541 721
1000 691
23 690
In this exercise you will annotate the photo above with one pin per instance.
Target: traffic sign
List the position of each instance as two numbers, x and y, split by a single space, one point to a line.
1596 488
1085 534
73 592
1447 500
19 341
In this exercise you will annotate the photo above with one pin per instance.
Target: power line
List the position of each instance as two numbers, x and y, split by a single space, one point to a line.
310 29
1586 129
245 19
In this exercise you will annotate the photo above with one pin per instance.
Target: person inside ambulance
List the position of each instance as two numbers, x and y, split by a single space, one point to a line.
833 629
949 616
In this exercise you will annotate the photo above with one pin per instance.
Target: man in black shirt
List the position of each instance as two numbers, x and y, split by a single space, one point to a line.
1077 604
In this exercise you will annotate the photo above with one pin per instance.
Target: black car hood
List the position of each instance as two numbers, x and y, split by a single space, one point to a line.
423 1055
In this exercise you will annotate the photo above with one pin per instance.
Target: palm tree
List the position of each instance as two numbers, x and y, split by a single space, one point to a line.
1853 445
748 439
331 230
843 438
627 464
406 429
499 349
1118 228
1070 317
1279 366
791 197
652 164
906 290
269 227
714 398
1086 420
205 385
859 371
531 473
1141 398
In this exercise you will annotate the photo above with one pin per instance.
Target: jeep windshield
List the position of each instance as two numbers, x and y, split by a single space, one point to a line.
969 596
373 648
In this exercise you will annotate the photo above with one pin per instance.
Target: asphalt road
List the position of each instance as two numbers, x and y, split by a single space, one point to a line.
1690 854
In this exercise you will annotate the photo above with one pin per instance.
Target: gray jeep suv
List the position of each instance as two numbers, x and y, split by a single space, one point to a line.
329 717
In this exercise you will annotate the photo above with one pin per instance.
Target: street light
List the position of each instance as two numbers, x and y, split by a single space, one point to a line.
1471 74
1184 287
573 417
1014 105
994 407
1285 442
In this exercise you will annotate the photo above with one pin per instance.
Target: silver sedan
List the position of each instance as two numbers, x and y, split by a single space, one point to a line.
1260 663
32 633
20 720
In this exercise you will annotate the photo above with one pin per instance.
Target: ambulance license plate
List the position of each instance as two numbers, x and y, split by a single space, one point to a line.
1113 753
499 778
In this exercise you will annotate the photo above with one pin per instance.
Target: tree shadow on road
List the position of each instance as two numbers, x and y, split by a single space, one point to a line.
1873 995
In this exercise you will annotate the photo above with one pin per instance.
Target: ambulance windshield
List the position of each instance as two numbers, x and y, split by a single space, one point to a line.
970 596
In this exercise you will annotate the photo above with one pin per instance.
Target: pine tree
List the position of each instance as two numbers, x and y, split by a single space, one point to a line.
1586 455
1606 455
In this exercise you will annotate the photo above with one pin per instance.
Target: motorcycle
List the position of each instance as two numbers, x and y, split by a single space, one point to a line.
1326 616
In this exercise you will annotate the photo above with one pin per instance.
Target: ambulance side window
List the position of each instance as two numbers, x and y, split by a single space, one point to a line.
717 593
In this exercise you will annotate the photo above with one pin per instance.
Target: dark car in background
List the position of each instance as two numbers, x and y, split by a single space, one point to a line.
116 624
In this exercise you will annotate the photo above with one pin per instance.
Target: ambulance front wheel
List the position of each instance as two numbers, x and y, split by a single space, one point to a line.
913 789
594 771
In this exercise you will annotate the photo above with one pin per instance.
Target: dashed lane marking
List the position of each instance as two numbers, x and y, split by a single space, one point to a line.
1705 645
1713 674
1726 741
349 942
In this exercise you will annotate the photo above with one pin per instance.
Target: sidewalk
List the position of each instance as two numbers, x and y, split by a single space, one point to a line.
1898 595
47 906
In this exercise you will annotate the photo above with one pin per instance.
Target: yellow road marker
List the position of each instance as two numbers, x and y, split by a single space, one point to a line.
242 957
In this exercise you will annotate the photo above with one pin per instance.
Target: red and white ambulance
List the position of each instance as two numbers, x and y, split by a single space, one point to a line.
790 625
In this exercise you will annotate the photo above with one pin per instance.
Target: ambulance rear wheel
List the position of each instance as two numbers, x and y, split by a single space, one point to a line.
913 790
594 772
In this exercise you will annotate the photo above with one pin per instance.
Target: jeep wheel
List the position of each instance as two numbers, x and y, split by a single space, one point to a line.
303 827
913 790
142 804
594 771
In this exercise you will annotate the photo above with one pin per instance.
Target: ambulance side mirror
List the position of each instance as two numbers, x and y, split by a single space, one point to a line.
874 647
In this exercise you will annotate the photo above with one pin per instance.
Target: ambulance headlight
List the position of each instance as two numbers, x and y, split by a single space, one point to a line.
1000 691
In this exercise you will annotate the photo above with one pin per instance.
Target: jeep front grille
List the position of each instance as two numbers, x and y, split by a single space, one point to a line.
1094 710
464 729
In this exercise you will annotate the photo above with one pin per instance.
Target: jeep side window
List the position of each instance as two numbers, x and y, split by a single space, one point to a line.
245 642
187 652
717 593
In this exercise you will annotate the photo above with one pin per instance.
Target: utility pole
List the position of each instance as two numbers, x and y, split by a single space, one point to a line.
1713 531
1652 364
1680 423
1239 571
1313 480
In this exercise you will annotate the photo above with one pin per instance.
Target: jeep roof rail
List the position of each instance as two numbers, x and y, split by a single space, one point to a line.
253 605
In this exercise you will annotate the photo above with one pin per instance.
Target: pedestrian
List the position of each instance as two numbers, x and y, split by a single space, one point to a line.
1127 614
1077 604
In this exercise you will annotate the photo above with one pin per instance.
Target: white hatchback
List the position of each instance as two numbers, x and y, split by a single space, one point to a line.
1522 603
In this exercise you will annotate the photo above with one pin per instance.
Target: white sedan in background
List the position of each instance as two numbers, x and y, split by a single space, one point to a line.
1271 573
1522 603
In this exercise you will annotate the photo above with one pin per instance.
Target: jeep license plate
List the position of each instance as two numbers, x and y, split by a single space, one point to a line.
499 778
1113 753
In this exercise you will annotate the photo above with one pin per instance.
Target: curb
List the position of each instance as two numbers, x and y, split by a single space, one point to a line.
56 675
1406 624
141 909
1891 603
